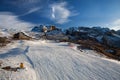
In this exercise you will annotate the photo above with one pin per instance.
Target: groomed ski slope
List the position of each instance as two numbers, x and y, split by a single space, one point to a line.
47 60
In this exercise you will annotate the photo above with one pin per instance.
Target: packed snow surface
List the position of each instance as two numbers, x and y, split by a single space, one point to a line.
48 60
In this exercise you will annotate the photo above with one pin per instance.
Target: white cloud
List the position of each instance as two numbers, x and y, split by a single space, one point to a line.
117 22
9 20
53 11
115 25
31 11
60 13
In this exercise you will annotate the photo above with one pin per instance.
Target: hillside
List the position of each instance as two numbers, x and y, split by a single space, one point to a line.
103 40
48 60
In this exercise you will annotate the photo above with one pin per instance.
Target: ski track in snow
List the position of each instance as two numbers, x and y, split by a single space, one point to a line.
25 53
57 61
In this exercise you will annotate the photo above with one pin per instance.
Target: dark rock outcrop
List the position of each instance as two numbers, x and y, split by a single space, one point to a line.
56 35
37 29
111 41
4 41
21 36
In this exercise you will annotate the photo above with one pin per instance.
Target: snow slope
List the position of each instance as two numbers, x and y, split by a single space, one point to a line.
47 60
4 33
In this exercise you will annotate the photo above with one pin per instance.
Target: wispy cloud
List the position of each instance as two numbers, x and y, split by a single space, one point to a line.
31 11
16 2
115 25
60 13
9 20
26 7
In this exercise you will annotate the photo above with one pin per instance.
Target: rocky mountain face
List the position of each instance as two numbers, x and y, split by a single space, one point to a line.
105 36
118 32
37 29
103 40
49 32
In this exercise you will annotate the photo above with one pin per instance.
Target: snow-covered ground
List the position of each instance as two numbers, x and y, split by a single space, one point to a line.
4 33
48 60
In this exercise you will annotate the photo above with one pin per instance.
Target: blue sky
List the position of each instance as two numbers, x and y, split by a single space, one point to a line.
21 14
